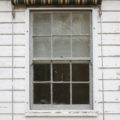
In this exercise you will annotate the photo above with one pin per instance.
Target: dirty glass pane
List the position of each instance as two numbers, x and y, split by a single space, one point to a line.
80 93
42 47
61 72
80 47
61 24
41 24
81 23
41 72
41 93
61 93
61 47
80 72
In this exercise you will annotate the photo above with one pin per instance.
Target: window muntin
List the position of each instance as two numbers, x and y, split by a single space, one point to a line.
61 59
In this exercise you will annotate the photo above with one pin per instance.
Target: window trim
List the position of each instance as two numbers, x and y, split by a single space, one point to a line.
94 20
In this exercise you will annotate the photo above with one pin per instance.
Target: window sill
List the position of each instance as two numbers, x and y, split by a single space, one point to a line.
61 113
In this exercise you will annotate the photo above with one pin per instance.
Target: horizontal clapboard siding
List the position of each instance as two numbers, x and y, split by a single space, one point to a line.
110 69
6 62
111 63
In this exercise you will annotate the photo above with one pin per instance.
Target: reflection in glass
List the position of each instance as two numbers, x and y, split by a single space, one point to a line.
41 72
61 93
41 93
61 72
41 24
42 47
61 47
80 93
81 23
80 72
61 24
80 47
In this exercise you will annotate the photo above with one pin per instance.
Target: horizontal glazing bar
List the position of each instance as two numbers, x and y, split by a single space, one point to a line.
62 59
86 35
59 82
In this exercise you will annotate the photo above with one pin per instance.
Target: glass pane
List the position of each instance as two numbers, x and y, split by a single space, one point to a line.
42 72
81 23
41 93
61 24
80 47
61 72
80 93
41 24
61 93
80 72
42 47
61 47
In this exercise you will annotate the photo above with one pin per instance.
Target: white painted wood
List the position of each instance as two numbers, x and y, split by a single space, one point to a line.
5 17
7 107
111 5
111 71
7 85
6 62
19 28
5 117
110 85
109 39
113 62
20 17
5 96
5 40
19 96
18 51
111 17
5 73
8 117
111 117
110 96
5 6
110 107
111 28
110 50
19 39
5 28
19 73
109 74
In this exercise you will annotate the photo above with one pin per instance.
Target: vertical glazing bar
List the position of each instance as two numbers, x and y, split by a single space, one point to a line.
70 82
51 60
51 66
71 61
91 62
31 60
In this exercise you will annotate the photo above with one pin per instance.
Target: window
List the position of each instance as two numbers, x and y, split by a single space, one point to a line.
61 60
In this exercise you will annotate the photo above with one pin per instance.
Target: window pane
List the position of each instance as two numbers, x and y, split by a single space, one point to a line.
42 47
80 72
61 47
81 23
80 93
61 93
61 24
42 72
41 24
41 93
61 72
80 47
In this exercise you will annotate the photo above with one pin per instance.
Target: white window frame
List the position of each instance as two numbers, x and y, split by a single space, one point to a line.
93 111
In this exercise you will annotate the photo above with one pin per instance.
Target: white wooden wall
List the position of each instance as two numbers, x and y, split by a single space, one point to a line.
110 68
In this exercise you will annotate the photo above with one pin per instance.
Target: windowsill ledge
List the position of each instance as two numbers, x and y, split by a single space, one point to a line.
61 113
